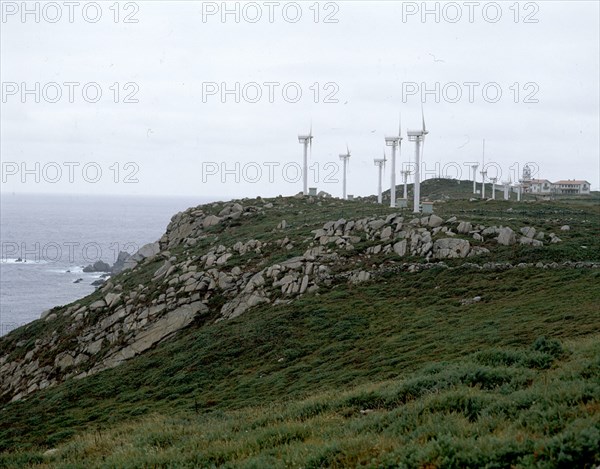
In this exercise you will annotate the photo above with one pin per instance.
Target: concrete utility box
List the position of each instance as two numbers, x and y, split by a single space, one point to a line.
312 191
427 207
350 197
401 203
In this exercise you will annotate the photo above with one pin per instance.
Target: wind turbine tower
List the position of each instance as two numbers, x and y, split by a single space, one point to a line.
418 136
483 173
507 189
474 167
345 159
405 173
494 180
380 163
396 143
306 141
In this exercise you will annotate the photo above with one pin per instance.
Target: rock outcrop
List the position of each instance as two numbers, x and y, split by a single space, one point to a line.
119 264
98 266
451 248
147 251
506 236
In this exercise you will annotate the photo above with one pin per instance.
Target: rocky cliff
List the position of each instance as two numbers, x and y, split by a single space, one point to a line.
207 267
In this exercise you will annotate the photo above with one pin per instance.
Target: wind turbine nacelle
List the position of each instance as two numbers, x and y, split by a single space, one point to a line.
391 141
304 138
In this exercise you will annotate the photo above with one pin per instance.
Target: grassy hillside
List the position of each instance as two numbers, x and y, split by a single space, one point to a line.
500 407
397 371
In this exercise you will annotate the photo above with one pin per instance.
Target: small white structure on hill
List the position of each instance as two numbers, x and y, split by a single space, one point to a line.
565 187
571 186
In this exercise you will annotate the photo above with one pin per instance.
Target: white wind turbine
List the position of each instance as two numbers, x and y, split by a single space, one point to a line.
418 136
474 167
345 159
306 140
507 184
494 180
405 173
483 173
380 163
396 144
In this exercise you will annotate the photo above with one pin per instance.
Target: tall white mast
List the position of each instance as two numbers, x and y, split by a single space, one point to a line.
379 186
405 175
396 143
483 173
418 136
306 141
493 187
507 189
380 163
345 159
474 167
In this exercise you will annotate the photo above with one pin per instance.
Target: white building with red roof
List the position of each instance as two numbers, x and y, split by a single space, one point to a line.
571 186
565 187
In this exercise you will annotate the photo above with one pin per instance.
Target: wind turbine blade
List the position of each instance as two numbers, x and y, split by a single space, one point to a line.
423 117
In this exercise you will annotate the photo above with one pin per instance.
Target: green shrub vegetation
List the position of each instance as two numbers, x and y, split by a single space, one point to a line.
448 414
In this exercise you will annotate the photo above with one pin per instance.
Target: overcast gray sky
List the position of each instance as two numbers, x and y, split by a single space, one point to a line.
363 62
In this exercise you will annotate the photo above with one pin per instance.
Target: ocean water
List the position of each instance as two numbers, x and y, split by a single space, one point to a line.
47 240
